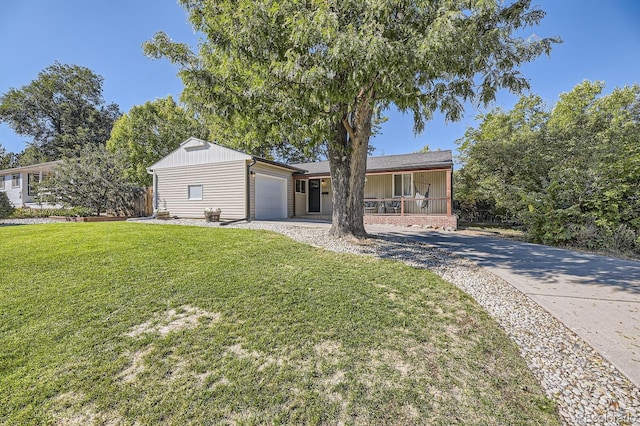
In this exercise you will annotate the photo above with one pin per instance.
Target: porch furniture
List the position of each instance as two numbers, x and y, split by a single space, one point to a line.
394 205
370 206
422 201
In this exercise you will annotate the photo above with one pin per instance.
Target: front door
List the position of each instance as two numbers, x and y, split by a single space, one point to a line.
314 195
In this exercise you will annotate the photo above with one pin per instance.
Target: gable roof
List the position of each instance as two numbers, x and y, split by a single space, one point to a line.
196 151
391 163
32 168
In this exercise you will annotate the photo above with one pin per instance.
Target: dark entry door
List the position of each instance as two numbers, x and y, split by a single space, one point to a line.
314 195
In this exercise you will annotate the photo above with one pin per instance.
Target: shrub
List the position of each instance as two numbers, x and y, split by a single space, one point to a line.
93 180
6 208
624 239
39 213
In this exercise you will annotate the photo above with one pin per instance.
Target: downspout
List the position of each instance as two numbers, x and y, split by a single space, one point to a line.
253 161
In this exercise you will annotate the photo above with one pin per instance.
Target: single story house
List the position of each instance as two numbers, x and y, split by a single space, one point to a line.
409 189
18 183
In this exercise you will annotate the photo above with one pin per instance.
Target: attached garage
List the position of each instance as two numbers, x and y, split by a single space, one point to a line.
201 175
271 197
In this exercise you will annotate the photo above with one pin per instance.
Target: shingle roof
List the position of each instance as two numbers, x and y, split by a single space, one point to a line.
389 163
276 163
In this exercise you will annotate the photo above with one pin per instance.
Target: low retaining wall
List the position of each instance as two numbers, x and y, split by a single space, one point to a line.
435 221
89 218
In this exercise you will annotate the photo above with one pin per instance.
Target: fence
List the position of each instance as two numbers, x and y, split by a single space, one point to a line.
143 205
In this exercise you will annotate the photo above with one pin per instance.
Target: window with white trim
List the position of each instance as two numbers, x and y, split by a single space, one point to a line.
33 179
301 186
402 185
194 192
15 180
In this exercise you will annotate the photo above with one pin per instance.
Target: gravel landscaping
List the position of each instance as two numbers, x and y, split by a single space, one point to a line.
587 388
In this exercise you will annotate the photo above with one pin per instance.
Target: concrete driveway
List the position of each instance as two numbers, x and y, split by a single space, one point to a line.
597 297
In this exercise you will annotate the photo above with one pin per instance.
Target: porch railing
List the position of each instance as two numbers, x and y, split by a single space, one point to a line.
405 206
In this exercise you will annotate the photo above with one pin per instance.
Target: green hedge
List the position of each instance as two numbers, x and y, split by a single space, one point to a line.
39 213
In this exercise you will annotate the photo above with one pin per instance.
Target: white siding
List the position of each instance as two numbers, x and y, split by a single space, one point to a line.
223 186
196 151
437 189
301 201
326 197
17 196
378 186
267 169
20 196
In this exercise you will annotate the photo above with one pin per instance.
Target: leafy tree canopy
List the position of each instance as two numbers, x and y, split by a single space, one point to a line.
319 72
6 160
570 173
60 110
149 132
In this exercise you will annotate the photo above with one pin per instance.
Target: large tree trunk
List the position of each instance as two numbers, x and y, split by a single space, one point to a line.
348 163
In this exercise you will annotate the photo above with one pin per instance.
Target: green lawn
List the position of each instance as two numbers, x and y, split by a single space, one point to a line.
116 322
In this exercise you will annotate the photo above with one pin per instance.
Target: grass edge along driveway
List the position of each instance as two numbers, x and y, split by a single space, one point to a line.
122 322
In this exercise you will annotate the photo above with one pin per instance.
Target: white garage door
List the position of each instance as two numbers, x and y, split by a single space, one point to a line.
271 197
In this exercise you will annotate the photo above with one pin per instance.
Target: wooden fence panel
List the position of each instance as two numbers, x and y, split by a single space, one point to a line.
143 206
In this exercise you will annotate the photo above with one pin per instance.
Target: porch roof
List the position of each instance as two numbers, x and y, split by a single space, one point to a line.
32 168
391 163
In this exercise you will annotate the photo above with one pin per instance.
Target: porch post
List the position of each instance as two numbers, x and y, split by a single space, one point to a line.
449 194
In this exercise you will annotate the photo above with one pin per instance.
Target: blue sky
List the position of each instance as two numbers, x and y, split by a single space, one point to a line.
601 42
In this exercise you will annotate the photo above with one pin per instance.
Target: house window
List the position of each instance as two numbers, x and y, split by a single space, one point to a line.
195 192
301 186
33 180
402 185
15 180
1 183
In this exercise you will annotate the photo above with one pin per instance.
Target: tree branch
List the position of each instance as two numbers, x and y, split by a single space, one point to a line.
348 127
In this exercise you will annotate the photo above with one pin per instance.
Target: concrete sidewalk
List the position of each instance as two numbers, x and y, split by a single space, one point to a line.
597 297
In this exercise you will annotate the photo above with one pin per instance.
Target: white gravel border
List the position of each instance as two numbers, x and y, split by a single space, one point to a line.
588 389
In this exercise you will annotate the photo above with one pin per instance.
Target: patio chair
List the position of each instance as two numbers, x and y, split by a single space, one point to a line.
394 205
370 206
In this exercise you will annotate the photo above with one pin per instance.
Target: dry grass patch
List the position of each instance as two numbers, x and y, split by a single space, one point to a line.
70 409
184 317
136 366
125 323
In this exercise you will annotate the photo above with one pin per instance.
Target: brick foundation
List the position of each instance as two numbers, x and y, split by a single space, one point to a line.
435 221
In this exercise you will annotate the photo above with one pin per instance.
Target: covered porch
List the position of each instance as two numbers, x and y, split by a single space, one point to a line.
402 198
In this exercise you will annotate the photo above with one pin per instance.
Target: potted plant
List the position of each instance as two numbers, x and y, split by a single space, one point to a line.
212 215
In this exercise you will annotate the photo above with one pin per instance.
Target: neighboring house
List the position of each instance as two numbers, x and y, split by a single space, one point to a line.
409 189
18 183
